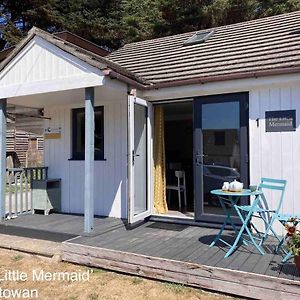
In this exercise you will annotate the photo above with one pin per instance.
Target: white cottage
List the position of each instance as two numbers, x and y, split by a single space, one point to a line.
215 105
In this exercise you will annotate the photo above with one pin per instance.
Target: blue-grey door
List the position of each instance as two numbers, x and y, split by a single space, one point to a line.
220 149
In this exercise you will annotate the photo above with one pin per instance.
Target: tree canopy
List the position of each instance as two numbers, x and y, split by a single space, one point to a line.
116 22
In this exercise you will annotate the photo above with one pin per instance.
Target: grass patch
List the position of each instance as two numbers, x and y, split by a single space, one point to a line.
137 280
17 257
175 287
107 285
93 296
97 271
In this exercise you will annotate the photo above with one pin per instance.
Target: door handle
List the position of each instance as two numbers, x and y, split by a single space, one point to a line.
133 156
201 155
199 159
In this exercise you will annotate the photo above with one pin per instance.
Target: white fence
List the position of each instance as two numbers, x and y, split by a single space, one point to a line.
18 198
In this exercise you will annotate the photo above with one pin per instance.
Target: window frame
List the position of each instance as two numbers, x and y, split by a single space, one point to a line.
78 155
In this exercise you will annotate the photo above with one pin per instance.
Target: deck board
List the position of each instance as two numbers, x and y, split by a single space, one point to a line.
274 266
169 243
155 243
62 223
240 259
250 262
184 248
287 271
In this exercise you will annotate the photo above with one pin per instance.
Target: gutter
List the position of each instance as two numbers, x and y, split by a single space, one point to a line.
201 80
5 52
132 82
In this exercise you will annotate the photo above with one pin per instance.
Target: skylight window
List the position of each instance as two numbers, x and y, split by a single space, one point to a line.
198 38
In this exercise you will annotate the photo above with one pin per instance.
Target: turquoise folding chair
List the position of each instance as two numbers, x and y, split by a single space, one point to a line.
261 210
245 213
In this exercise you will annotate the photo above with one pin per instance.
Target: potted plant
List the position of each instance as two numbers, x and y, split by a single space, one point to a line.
293 239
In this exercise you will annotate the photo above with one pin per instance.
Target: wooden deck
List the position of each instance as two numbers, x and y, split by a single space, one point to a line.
171 252
56 227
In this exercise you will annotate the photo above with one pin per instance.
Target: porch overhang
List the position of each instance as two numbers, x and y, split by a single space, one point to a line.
41 67
43 63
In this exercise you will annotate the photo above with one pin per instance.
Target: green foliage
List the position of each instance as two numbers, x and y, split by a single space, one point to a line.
275 7
175 287
25 13
97 270
294 244
222 12
180 16
93 296
116 22
137 280
17 257
139 19
96 20
11 34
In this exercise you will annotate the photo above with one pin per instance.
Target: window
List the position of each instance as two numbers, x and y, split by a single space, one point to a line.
79 133
198 38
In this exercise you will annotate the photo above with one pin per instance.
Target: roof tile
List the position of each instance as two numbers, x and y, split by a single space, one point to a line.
258 45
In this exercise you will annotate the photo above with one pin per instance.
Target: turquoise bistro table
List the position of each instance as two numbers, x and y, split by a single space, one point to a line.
229 202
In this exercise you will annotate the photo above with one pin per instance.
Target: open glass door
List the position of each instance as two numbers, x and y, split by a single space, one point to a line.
139 163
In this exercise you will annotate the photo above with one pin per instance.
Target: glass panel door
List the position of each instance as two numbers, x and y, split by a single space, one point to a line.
138 159
221 149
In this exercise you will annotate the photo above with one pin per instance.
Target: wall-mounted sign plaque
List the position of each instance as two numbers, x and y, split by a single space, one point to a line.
280 120
52 133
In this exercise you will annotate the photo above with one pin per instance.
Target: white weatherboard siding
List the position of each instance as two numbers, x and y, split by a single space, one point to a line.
110 175
220 87
273 155
276 154
42 67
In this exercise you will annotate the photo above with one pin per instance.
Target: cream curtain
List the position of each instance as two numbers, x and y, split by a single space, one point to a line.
160 201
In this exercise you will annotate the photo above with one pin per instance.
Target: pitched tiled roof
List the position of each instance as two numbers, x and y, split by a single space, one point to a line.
237 50
260 47
110 68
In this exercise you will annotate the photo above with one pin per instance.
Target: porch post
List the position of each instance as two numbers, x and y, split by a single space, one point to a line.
89 160
2 157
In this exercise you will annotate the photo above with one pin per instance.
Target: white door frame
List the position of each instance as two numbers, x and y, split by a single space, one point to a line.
133 100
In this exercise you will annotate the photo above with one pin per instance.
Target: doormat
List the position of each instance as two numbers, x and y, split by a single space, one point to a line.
167 226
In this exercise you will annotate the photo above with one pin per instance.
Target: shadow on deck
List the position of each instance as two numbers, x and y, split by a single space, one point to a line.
56 227
170 252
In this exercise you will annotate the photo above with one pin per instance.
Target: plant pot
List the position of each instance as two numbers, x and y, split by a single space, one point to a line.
297 262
